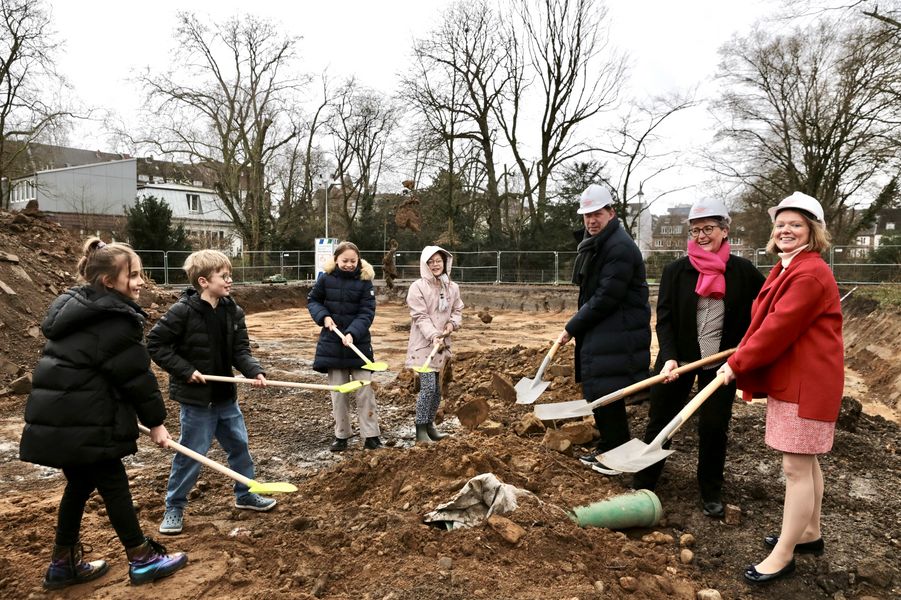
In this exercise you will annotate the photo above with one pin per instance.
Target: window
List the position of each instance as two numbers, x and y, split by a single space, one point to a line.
658 243
735 241
194 203
889 226
677 230
863 240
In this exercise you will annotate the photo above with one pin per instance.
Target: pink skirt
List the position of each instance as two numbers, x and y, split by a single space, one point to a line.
787 432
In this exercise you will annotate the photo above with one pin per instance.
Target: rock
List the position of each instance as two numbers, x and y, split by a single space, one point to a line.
21 273
473 413
559 371
504 388
709 594
665 585
320 585
657 537
302 523
599 587
554 440
445 563
686 556
687 540
733 515
7 257
630 584
875 572
524 464
528 425
492 428
9 368
580 432
34 331
22 385
849 414
7 289
507 529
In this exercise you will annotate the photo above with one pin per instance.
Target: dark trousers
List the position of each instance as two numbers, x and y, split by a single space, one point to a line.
108 477
667 399
611 420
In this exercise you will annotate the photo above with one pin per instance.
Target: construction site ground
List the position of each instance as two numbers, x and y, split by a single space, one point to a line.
355 528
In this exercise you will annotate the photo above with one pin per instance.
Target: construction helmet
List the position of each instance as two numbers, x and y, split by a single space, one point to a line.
709 208
801 201
595 197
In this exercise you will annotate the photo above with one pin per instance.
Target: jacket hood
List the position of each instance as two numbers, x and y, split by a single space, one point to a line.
367 273
79 306
426 254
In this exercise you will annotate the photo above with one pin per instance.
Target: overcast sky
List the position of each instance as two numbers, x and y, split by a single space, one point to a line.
672 45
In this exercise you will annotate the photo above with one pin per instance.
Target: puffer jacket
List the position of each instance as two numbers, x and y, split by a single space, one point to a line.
612 327
429 320
180 344
92 382
349 299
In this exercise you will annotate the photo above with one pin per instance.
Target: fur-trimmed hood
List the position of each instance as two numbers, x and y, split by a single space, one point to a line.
367 272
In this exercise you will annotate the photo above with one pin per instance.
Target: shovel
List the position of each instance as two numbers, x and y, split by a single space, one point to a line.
350 386
256 487
583 408
369 366
528 390
425 368
635 455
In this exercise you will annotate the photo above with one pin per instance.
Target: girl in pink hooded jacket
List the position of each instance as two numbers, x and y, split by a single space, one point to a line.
437 311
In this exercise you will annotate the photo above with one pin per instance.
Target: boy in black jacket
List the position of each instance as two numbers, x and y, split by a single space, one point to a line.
204 332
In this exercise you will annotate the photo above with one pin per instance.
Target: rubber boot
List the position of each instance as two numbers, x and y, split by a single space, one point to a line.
434 433
422 434
67 568
149 562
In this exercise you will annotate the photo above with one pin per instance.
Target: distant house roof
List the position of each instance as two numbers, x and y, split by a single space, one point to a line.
44 157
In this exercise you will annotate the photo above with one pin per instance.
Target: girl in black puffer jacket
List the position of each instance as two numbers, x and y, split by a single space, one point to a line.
90 386
343 298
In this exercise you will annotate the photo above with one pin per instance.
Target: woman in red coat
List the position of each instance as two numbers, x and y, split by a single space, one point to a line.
793 353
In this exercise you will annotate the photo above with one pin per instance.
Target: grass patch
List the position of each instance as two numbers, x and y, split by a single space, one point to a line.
887 295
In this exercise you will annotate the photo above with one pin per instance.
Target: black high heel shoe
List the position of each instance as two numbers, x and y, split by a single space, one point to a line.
754 576
816 547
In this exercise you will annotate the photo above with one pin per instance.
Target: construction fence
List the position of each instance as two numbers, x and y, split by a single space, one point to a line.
850 264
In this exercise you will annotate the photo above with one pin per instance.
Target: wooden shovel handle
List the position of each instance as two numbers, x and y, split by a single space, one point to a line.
352 347
688 410
203 459
432 353
272 382
646 383
548 358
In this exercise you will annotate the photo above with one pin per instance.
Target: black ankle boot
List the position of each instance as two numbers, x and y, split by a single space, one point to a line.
67 567
372 443
422 434
339 445
149 562
434 433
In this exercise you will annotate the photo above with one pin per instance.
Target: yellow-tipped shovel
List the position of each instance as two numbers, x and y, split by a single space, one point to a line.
256 487
582 408
369 366
635 455
350 386
425 368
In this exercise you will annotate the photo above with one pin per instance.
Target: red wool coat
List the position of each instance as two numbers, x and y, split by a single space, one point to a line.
793 349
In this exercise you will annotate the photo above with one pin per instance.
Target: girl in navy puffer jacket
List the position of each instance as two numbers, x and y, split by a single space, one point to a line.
343 298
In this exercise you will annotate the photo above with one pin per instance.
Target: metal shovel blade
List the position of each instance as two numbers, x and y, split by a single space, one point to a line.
528 390
276 487
562 410
633 456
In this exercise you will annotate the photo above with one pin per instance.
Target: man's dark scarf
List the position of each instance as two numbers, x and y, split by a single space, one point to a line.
588 249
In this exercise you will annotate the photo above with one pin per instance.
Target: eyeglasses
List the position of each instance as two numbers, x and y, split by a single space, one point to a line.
434 261
706 230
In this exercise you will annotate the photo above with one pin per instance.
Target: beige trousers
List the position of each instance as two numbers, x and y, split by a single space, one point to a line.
367 410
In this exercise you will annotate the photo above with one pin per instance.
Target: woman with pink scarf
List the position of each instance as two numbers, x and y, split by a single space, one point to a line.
703 307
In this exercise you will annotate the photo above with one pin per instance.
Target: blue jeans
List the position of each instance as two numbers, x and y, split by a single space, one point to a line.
198 426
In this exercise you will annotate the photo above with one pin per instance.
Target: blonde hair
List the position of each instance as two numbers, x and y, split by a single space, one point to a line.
344 246
819 241
204 263
100 260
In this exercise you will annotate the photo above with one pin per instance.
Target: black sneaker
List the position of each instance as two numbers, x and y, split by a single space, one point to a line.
713 508
338 445
373 443
590 459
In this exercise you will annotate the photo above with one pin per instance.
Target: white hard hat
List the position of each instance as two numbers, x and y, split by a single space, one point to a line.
709 208
595 197
806 203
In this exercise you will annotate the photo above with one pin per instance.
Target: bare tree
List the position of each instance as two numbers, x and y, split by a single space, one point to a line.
228 107
563 45
361 125
812 111
30 87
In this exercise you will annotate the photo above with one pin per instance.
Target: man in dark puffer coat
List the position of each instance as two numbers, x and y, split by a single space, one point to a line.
92 381
612 327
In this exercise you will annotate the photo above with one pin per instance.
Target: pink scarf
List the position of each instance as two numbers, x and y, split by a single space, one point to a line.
710 266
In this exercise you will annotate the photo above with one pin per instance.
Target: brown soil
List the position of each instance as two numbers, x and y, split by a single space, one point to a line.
354 529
